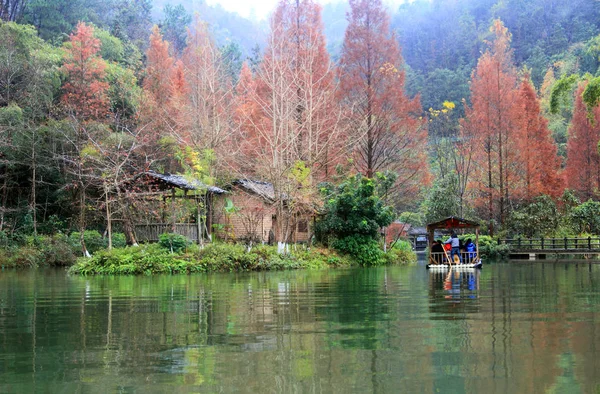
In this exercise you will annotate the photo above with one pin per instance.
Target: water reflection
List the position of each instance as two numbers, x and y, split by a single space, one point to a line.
508 328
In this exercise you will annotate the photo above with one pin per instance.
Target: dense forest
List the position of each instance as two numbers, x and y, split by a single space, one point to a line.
485 109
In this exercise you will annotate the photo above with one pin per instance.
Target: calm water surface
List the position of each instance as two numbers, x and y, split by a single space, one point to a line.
511 328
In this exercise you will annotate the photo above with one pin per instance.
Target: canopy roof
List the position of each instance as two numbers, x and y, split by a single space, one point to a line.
452 223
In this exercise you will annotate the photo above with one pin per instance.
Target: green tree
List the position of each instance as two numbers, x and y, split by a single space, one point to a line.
586 217
174 26
442 200
538 218
353 215
232 59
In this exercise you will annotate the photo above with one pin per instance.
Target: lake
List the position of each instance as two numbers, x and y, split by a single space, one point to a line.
510 328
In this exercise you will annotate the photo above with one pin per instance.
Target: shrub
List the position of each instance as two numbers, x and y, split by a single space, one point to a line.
118 240
58 252
401 252
147 259
94 241
365 250
586 217
175 243
488 246
153 258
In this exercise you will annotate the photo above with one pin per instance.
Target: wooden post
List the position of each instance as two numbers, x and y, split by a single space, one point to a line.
590 243
198 224
173 217
542 243
477 244
566 247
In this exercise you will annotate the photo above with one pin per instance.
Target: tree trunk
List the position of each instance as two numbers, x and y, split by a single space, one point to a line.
108 217
82 221
33 185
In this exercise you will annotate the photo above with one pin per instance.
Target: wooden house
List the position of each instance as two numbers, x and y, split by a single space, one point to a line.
162 190
248 212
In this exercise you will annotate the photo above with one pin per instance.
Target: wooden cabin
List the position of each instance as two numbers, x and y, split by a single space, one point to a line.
252 214
162 191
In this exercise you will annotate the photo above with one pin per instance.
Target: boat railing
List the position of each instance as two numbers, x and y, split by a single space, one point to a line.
442 258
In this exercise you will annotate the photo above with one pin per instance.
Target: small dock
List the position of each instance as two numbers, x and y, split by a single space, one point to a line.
541 248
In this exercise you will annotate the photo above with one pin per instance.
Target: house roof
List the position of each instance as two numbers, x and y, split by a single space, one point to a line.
182 182
262 189
452 222
417 230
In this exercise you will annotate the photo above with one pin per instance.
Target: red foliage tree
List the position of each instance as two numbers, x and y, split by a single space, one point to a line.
386 124
287 111
206 114
163 88
294 94
85 97
583 161
158 82
491 121
538 152
85 91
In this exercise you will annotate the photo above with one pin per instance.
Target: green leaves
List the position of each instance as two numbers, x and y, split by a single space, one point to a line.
353 215
561 91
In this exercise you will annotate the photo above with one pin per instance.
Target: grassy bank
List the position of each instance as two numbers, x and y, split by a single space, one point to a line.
156 259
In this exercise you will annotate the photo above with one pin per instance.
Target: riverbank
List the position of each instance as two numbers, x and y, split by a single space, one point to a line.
217 257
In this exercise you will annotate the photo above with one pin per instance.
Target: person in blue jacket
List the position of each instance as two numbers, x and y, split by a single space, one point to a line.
471 249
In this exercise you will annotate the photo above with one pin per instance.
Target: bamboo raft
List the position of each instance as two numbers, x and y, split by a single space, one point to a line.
441 261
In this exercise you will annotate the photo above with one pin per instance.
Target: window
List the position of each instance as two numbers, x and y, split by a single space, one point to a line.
302 226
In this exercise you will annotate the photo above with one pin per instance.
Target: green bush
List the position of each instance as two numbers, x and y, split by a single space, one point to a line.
154 259
26 257
36 251
118 240
364 249
401 252
94 241
488 246
174 243
147 259
586 217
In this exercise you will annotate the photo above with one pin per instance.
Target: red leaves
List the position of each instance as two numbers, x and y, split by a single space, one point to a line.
159 69
583 162
516 157
85 92
391 135
538 152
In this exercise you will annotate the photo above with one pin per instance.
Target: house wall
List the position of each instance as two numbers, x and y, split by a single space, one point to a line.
254 217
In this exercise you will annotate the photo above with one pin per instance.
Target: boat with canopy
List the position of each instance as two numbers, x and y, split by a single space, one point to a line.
442 260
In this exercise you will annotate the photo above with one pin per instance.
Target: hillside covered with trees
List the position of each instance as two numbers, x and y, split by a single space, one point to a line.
481 109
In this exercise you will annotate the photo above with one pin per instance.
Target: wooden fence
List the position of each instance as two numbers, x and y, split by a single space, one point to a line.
552 245
151 232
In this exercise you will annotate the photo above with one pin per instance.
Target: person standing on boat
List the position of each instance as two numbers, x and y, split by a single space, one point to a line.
454 242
